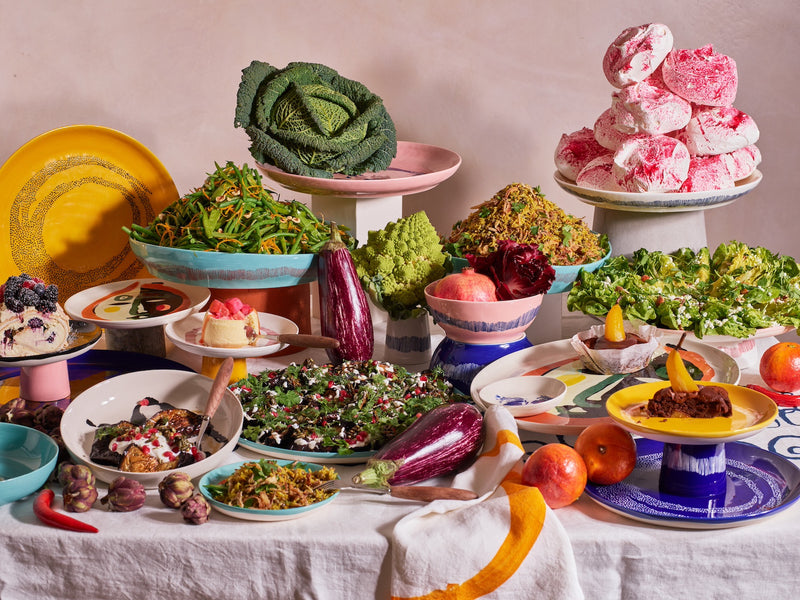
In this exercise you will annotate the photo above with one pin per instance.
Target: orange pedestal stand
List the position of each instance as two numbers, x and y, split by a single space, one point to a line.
293 303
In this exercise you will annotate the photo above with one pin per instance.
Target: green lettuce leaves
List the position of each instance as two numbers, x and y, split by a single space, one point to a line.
308 120
734 291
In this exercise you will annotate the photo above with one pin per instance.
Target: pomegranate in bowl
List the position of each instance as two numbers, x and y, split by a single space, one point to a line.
478 322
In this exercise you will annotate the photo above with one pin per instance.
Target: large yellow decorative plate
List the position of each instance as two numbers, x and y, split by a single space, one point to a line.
752 411
64 197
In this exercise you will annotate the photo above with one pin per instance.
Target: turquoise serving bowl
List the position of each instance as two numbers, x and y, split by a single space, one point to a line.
252 514
565 275
27 457
225 270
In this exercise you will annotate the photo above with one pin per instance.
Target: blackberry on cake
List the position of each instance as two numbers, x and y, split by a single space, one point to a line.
31 320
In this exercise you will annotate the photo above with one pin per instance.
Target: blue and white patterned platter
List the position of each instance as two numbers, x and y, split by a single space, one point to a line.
759 485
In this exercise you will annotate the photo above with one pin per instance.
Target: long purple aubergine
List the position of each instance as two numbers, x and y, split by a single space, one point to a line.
343 308
442 441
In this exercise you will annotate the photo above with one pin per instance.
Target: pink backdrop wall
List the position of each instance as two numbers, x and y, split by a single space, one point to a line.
498 82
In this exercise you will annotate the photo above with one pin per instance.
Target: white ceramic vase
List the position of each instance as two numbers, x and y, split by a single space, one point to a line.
408 341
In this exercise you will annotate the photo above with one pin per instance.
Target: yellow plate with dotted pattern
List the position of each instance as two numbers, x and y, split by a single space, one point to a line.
64 198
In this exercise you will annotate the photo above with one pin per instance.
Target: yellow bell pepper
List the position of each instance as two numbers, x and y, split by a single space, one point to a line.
615 328
679 378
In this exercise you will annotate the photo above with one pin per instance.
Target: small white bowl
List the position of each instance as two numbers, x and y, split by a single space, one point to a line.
115 399
526 395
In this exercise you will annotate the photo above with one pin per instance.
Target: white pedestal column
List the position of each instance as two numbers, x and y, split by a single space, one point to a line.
361 215
665 231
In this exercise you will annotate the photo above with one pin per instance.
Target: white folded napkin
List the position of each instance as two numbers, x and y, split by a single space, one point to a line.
505 544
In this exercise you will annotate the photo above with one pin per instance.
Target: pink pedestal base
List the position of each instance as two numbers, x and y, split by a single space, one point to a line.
44 383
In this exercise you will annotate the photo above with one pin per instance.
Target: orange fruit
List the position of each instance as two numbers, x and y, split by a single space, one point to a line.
608 451
780 367
559 473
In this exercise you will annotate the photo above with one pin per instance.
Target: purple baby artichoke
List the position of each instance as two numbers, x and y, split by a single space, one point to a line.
68 473
175 489
196 510
125 495
79 495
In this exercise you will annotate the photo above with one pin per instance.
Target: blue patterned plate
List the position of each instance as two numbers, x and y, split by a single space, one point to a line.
320 458
252 514
760 484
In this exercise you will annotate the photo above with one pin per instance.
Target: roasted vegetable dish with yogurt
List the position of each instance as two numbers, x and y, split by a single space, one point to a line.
267 485
160 442
353 406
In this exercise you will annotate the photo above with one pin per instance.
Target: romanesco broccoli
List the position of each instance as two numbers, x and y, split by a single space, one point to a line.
398 261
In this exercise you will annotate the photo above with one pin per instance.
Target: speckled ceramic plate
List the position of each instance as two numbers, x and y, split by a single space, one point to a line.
760 484
659 202
66 196
416 168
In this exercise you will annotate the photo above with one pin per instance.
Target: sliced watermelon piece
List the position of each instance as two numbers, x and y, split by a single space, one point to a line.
218 310
234 304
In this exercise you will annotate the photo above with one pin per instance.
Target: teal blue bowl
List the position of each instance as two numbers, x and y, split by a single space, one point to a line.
27 457
226 270
565 275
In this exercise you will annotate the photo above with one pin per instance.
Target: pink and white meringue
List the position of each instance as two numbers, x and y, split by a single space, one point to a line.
646 108
651 163
598 174
636 53
707 173
575 150
718 130
701 76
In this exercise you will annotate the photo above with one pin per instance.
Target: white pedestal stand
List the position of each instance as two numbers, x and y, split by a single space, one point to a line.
629 231
361 215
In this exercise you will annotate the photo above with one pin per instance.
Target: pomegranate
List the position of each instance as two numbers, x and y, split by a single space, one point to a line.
466 285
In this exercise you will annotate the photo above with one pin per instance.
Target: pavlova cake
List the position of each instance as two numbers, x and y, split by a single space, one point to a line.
31 320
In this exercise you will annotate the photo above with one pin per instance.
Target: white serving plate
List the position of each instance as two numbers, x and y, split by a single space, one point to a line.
115 399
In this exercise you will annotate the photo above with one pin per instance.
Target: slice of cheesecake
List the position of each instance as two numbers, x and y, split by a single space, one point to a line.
230 324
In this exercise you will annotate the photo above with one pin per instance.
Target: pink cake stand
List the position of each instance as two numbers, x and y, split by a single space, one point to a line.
44 379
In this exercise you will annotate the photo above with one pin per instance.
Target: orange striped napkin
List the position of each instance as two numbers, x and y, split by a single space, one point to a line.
505 544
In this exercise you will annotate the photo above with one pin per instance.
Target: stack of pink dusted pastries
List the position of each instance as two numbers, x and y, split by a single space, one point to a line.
671 126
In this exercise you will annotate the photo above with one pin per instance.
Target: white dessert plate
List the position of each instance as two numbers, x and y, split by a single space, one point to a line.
659 201
416 168
186 335
525 396
82 337
252 514
136 303
585 400
752 411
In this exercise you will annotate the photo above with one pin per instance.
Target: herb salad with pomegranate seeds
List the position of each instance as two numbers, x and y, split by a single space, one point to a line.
356 405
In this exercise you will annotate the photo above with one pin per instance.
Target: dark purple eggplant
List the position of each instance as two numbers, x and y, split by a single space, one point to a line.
343 308
442 441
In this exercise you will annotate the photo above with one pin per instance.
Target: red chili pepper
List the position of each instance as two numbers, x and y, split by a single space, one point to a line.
780 399
42 508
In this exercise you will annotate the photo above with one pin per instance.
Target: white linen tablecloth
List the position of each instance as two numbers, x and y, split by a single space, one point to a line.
344 550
